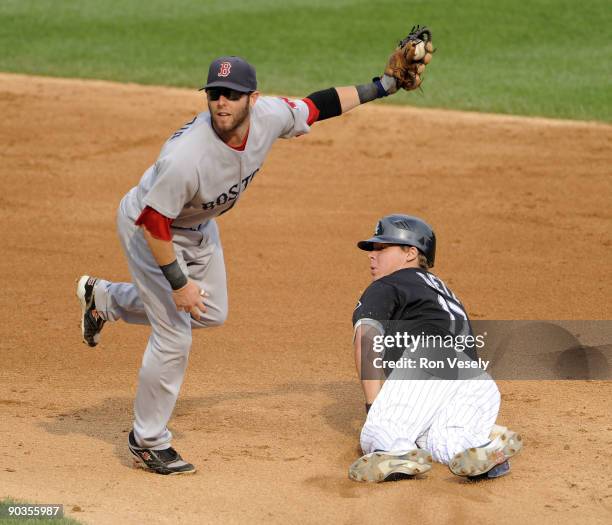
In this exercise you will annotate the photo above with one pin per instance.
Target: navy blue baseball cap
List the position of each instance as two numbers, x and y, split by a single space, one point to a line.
231 72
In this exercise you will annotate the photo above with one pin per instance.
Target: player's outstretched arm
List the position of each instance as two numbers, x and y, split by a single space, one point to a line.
404 70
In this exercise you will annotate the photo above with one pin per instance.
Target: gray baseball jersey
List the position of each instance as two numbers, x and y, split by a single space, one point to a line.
197 176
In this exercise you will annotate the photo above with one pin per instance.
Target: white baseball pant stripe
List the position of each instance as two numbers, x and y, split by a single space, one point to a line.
443 416
148 300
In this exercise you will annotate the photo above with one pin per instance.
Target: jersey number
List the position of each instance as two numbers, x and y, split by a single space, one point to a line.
452 307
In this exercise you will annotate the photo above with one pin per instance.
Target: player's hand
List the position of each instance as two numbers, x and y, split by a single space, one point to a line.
190 299
407 63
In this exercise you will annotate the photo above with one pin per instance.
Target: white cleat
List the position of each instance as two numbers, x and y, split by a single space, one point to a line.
379 466
480 460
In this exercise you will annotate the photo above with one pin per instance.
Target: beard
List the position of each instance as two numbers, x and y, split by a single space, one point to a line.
232 122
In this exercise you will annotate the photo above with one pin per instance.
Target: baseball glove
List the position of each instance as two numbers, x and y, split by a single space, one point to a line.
407 63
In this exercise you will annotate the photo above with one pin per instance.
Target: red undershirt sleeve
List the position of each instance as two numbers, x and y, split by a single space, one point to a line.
313 111
157 225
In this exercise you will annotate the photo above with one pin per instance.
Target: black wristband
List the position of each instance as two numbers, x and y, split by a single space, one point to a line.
327 102
174 275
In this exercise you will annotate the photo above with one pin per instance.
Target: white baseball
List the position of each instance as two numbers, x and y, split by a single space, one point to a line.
419 51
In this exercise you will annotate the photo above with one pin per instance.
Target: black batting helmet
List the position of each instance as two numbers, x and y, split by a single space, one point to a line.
404 230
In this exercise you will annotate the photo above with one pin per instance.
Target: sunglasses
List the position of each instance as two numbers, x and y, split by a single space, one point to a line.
229 94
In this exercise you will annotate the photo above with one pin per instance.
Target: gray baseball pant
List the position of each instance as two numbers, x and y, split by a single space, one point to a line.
148 300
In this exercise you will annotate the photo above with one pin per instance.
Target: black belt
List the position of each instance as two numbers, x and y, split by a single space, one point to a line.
193 228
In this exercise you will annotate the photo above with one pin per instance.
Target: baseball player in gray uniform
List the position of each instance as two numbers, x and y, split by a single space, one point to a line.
168 232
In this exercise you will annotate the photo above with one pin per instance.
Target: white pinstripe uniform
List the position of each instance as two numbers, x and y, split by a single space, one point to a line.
443 416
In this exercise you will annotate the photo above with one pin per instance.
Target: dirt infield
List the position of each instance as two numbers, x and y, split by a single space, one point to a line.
270 410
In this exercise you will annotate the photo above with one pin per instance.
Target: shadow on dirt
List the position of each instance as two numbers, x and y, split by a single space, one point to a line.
292 403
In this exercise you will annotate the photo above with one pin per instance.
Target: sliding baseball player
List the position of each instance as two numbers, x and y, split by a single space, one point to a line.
424 402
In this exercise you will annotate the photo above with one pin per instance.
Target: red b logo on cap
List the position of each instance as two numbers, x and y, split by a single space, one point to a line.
224 69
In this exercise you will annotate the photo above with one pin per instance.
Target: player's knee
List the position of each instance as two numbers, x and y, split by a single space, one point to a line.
220 316
215 316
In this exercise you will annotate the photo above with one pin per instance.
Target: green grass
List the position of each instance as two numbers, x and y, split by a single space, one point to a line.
21 520
537 57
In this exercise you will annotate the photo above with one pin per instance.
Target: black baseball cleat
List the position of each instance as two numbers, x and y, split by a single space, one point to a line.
167 462
91 322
